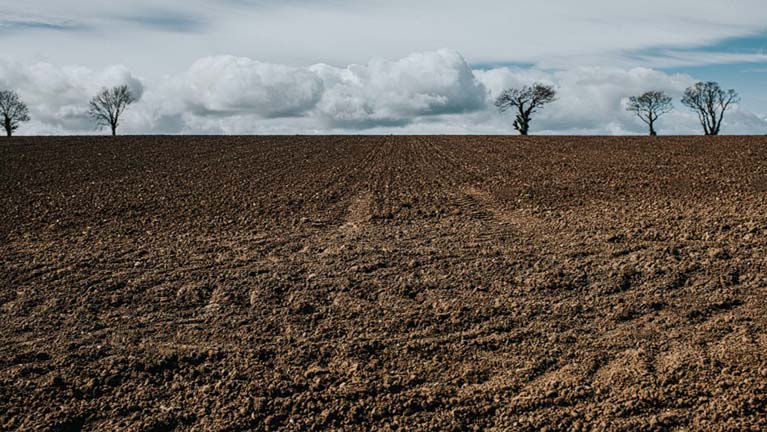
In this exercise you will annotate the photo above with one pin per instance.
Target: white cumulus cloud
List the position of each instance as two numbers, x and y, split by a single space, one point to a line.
234 85
426 92
397 92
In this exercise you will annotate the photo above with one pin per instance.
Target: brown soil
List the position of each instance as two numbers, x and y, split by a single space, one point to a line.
386 283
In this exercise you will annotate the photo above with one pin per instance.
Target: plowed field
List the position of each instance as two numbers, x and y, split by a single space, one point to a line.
383 283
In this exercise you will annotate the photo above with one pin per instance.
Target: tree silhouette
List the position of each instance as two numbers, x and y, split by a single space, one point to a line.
527 101
710 102
107 106
650 106
12 111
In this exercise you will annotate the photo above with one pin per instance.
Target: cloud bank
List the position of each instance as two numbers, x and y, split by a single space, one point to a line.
425 92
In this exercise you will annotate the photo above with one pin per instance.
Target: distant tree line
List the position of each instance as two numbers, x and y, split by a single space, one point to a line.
105 108
707 99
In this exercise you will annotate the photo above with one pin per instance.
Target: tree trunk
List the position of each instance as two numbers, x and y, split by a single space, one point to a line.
7 126
114 130
522 124
652 129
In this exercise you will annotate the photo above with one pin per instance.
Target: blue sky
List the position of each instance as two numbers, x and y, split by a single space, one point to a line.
750 79
165 46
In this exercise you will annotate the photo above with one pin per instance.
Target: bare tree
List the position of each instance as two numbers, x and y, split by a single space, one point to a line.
650 106
107 106
527 101
12 111
710 102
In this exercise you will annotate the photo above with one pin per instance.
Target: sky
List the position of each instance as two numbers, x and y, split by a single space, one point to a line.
374 66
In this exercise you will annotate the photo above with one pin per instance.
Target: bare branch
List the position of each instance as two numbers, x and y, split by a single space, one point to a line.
710 102
526 101
107 106
650 107
12 111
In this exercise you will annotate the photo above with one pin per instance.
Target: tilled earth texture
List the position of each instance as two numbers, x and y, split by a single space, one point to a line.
383 283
